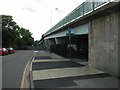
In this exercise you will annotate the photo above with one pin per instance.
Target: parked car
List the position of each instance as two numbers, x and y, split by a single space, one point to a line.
10 50
3 51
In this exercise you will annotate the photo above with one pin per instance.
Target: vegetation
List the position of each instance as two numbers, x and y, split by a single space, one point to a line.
13 35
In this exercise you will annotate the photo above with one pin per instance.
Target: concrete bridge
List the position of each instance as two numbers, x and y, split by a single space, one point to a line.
95 28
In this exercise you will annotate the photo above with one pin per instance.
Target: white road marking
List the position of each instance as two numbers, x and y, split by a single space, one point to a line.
35 51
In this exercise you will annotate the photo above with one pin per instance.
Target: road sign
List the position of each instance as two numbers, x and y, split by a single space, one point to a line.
69 33
69 30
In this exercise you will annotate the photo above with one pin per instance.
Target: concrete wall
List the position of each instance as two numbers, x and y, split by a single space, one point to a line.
103 43
0 29
0 56
119 44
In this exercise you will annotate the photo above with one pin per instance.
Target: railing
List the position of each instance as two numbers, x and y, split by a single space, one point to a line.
80 11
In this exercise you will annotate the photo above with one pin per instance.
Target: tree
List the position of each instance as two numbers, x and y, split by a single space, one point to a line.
8 32
13 35
26 36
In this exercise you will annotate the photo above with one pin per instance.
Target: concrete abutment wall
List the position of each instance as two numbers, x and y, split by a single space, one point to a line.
103 43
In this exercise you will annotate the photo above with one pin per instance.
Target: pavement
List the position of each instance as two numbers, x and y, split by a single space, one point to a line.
49 70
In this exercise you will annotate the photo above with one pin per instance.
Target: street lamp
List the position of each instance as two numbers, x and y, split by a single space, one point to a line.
51 15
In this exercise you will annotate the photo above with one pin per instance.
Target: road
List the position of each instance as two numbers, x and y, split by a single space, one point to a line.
13 66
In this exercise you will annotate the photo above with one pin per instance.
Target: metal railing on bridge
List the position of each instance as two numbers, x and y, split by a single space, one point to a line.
80 11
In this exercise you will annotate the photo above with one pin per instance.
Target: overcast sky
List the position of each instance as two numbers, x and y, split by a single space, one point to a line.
35 15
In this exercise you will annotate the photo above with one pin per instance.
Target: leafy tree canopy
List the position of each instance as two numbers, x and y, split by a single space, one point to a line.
14 35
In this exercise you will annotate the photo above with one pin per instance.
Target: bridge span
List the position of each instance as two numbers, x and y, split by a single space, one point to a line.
94 37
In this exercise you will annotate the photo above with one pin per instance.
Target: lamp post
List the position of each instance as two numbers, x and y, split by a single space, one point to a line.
52 15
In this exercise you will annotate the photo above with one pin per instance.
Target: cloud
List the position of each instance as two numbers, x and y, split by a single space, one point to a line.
60 11
39 1
35 15
29 9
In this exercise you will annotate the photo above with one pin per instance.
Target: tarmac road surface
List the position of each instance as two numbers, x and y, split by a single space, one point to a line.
13 66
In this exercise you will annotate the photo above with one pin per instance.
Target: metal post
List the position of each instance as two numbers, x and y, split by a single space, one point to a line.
93 4
52 15
69 34
70 48
83 8
51 18
70 45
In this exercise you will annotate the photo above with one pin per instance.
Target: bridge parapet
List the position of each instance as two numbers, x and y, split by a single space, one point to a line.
83 9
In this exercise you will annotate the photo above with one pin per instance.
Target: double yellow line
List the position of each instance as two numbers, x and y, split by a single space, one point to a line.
24 73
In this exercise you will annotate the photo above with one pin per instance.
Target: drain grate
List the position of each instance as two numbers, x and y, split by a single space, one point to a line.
42 57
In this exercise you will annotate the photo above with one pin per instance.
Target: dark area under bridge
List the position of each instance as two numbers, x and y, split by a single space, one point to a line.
79 47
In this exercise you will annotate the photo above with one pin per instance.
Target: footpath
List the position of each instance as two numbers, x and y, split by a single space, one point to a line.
49 70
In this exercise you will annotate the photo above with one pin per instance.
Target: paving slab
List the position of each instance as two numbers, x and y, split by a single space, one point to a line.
54 64
89 81
52 71
49 60
64 72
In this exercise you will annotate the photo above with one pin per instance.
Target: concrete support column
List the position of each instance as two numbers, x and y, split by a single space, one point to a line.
119 43
0 56
56 40
103 43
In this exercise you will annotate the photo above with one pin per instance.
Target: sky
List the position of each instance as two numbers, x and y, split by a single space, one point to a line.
38 15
